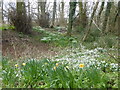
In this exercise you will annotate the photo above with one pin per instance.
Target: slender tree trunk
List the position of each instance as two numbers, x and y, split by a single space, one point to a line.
111 17
43 21
115 23
2 12
29 8
42 7
62 14
118 19
115 19
91 20
38 9
100 12
71 14
82 15
54 12
107 13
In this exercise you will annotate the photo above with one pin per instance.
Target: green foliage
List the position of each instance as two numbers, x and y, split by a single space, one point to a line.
9 74
52 74
79 29
3 27
109 41
64 71
93 36
55 38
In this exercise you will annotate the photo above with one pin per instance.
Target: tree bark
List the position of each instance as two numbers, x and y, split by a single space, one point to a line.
107 13
20 19
100 12
82 15
2 12
62 14
43 16
71 14
91 20
54 12
29 8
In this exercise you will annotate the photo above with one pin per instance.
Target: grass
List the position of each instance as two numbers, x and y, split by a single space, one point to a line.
61 72
77 66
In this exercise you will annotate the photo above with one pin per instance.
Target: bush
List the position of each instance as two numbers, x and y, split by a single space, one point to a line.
79 29
108 41
22 23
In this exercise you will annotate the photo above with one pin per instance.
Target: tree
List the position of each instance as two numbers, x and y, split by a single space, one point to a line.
118 19
20 19
43 16
82 15
71 14
107 13
91 20
21 8
100 12
54 12
2 11
28 7
62 14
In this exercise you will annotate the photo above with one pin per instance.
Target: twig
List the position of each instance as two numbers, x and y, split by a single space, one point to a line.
112 56
97 26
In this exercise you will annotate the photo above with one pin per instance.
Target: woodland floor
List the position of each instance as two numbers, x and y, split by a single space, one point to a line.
15 45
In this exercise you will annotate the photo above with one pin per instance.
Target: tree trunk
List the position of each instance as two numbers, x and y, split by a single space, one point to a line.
42 7
21 8
91 20
43 16
54 12
62 14
29 8
107 13
82 15
71 14
20 19
100 12
2 12
38 10
118 19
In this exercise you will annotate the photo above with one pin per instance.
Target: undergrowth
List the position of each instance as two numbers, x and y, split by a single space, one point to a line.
55 38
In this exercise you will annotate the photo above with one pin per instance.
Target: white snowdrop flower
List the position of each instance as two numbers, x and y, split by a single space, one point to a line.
102 61
1 79
16 75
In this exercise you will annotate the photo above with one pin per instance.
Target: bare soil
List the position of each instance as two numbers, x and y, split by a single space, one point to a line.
15 46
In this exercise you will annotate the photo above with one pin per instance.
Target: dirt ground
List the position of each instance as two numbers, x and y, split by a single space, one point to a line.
16 46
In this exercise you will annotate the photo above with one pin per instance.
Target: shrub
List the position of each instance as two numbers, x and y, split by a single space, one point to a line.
22 23
109 41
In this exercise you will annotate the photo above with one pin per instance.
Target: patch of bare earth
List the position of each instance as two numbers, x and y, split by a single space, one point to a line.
14 46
